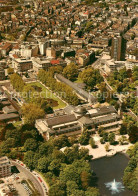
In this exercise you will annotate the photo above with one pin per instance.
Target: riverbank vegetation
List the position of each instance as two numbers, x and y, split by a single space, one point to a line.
130 177
129 127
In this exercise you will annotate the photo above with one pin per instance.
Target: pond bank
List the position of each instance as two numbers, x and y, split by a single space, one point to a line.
100 151
107 170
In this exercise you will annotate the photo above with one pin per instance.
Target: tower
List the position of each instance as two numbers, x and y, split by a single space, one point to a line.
118 48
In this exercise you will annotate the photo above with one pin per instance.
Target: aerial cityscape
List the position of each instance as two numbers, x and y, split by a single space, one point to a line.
68 98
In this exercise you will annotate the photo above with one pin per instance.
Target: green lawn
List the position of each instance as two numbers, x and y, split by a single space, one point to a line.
78 80
48 94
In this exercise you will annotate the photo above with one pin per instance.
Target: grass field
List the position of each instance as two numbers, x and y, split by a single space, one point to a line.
78 80
49 95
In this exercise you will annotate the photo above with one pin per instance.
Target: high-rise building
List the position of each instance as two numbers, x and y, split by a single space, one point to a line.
5 167
118 48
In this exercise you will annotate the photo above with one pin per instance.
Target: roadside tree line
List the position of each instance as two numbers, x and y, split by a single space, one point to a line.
63 90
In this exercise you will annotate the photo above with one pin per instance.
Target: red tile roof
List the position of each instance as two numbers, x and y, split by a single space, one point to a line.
54 62
15 56
6 46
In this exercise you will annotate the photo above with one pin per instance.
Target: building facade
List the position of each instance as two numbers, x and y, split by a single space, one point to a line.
5 167
73 120
118 48
21 64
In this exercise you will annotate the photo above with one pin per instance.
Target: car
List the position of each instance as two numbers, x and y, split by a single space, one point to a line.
39 179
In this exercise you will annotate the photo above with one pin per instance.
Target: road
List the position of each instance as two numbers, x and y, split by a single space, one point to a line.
30 176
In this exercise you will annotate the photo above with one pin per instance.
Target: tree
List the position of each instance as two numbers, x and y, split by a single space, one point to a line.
84 138
61 141
102 141
56 69
135 71
43 164
92 142
65 92
43 149
55 166
122 140
10 70
120 87
105 136
89 24
73 171
28 93
131 171
46 107
71 71
133 133
107 147
73 140
85 179
15 134
91 77
43 104
101 131
26 135
10 142
102 87
17 82
36 158
123 129
84 154
92 191
58 155
101 98
122 74
79 192
4 149
31 112
29 159
111 138
30 145
57 189
72 153
71 187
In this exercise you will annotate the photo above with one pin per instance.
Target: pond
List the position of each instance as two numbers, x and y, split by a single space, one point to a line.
108 175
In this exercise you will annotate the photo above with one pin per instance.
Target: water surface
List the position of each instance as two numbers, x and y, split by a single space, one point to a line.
107 169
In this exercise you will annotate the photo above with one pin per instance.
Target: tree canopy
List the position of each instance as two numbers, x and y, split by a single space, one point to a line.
32 112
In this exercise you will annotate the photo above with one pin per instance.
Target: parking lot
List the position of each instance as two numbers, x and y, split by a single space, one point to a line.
34 181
